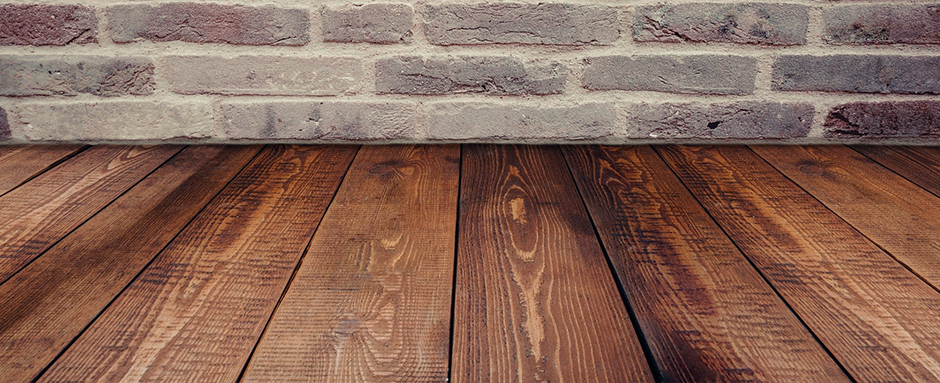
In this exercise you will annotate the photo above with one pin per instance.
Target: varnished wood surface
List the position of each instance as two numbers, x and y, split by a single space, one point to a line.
480 263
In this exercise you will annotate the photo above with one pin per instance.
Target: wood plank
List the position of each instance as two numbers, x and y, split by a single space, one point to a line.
196 312
705 312
371 301
41 212
19 163
535 297
899 216
49 303
876 317
919 164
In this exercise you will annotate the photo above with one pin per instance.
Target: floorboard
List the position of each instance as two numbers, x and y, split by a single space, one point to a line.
705 312
874 315
535 299
19 163
197 311
371 301
919 164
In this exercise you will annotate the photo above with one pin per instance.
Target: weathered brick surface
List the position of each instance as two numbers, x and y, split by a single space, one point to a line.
504 23
750 23
326 120
36 24
471 121
893 119
883 24
858 73
111 120
370 23
68 76
4 126
739 120
708 74
263 75
209 23
468 74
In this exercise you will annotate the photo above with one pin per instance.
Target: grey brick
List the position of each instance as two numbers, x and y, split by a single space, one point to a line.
468 74
209 23
506 23
751 23
310 120
113 120
102 76
263 75
4 126
707 74
370 23
37 24
892 119
468 121
739 120
858 73
882 24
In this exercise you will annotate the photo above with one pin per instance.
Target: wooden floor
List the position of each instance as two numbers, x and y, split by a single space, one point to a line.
469 264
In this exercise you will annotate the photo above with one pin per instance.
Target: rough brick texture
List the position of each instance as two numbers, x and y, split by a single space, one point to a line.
263 75
4 126
858 73
740 120
35 24
101 121
450 75
493 122
506 23
69 76
306 120
771 24
209 23
904 119
707 74
883 24
370 23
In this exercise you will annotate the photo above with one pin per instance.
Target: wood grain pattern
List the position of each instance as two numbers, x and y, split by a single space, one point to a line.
371 301
876 317
195 313
535 298
706 314
919 164
49 303
19 163
36 215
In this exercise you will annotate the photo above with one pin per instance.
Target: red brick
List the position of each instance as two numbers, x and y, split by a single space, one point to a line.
894 119
35 24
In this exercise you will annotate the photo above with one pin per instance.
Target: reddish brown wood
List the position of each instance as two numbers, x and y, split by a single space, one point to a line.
19 163
919 164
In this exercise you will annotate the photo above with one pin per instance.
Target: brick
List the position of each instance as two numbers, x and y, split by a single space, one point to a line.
311 120
882 24
35 24
4 126
114 120
858 74
470 121
507 23
705 74
738 120
263 75
370 23
69 76
209 23
892 119
468 74
753 23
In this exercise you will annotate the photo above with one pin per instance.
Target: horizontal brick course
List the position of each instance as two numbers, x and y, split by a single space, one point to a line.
492 122
707 74
893 119
858 74
71 75
36 24
110 120
468 74
263 75
370 23
4 126
305 120
506 23
739 120
209 23
883 24
751 23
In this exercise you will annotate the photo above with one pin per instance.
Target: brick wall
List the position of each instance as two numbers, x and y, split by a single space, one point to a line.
585 71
